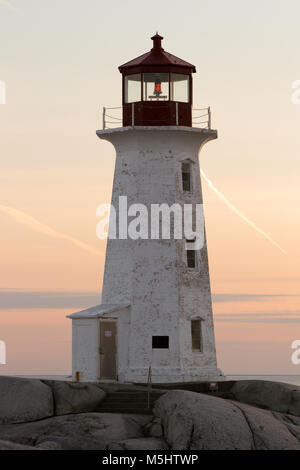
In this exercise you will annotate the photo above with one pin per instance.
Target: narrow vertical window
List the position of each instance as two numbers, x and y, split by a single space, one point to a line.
186 176
196 328
191 254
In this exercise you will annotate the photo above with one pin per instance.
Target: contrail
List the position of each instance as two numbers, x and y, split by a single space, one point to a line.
242 216
37 226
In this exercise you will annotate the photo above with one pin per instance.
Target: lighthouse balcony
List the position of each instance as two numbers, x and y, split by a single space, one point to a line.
164 113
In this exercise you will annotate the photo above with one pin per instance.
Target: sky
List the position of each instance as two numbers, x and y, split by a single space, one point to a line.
59 62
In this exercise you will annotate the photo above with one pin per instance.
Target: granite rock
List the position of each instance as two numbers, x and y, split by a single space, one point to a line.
194 421
142 443
85 431
72 397
24 400
275 396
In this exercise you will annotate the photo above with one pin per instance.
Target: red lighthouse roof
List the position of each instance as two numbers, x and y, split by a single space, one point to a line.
157 57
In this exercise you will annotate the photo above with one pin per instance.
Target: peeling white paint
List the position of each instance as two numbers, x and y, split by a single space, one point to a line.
152 275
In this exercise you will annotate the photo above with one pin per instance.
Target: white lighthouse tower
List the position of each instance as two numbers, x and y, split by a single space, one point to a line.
156 311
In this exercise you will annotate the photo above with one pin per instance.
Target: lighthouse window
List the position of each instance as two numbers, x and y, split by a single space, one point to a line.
186 177
132 88
191 254
179 87
156 86
160 342
196 328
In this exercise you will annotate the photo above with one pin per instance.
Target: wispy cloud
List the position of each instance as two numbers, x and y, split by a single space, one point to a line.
36 226
248 297
22 299
239 213
261 317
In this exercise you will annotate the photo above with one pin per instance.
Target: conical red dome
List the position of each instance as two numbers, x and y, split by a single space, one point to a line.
158 57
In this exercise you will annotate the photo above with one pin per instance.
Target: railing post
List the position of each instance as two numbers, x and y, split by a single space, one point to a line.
149 385
209 118
132 114
103 117
176 106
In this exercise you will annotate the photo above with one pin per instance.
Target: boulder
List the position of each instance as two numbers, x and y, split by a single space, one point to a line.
71 397
143 443
154 428
194 421
275 396
7 445
24 400
86 431
48 445
291 422
269 432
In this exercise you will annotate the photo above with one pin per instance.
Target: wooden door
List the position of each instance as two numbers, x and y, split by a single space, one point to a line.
108 350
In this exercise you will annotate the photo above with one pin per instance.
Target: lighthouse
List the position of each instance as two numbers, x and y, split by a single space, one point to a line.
155 319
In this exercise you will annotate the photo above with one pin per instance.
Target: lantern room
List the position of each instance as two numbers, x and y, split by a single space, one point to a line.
157 89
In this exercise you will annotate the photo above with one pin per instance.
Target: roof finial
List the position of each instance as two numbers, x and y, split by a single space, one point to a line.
157 42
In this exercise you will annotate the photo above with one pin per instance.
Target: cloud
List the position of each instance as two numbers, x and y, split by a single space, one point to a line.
242 216
18 298
282 316
22 299
292 316
248 297
36 226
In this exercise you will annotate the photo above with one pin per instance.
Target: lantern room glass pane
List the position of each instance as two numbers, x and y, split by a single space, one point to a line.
156 86
180 90
132 88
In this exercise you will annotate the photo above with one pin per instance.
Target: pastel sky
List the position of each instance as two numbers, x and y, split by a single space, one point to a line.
59 62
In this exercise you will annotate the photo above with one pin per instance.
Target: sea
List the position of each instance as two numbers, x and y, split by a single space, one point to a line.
288 379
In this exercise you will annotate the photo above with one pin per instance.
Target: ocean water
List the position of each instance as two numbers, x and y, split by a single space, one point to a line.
288 379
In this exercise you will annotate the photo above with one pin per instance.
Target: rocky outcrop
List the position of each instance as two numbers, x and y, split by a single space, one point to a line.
54 415
86 431
154 428
7 445
146 443
270 431
70 397
24 400
196 421
274 396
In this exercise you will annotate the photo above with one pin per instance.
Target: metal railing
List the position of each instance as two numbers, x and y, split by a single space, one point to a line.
112 117
149 385
205 123
108 118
